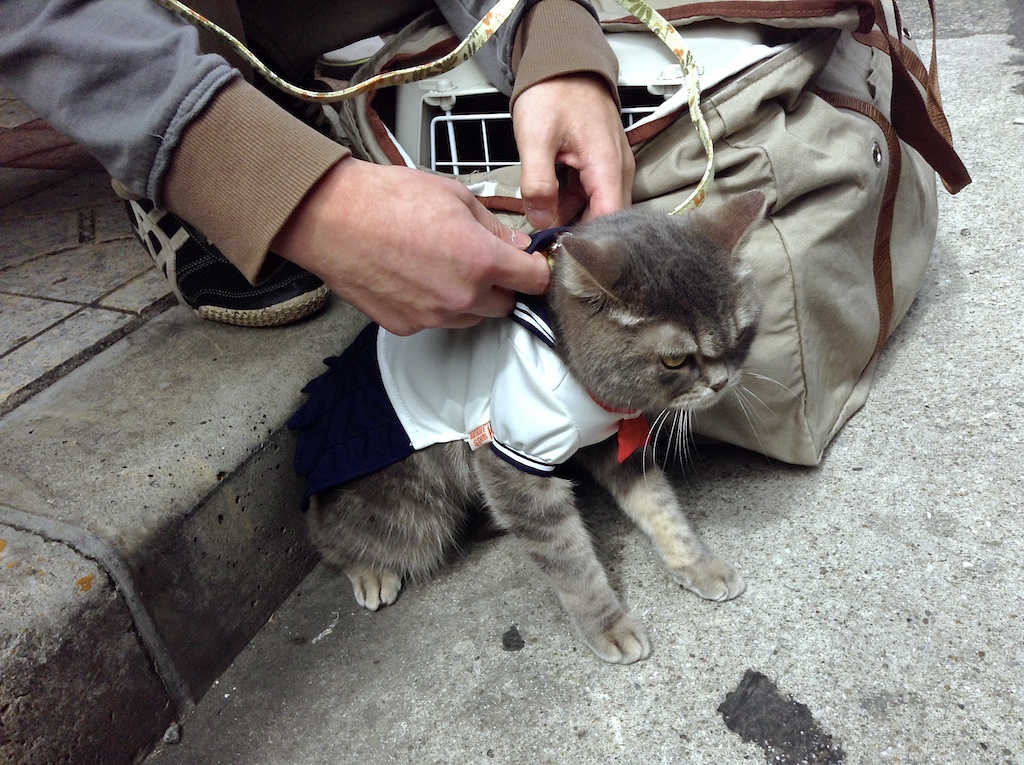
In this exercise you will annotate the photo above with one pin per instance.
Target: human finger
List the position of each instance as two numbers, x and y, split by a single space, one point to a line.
515 271
605 169
538 181
526 272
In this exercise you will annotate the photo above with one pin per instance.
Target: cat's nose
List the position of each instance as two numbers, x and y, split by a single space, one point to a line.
719 386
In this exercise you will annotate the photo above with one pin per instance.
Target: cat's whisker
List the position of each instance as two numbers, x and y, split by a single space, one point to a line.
675 432
679 430
766 378
683 444
673 443
742 393
659 423
668 441
677 440
686 458
652 438
748 410
662 419
692 453
748 392
681 425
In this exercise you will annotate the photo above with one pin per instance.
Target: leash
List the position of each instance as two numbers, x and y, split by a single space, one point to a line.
465 50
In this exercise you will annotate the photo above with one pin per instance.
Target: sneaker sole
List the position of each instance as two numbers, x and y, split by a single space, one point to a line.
272 316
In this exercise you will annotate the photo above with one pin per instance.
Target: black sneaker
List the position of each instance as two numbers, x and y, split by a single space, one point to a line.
204 280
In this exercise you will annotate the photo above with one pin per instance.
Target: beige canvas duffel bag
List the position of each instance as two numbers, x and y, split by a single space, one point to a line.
840 124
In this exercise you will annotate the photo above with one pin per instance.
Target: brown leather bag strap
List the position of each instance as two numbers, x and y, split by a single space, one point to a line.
916 110
919 119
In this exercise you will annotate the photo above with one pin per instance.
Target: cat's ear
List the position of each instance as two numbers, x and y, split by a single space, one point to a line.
733 219
588 268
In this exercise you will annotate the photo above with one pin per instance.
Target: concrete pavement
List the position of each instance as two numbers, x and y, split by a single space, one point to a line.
883 616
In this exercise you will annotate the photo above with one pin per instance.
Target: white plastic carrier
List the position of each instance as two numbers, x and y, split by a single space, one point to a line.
458 123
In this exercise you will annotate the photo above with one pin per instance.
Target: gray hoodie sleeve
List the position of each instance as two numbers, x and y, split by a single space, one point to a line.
126 78
123 78
495 58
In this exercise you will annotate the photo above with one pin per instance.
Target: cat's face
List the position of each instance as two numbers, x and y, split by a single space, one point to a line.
655 311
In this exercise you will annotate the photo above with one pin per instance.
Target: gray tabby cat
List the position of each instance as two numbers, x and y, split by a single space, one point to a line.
651 312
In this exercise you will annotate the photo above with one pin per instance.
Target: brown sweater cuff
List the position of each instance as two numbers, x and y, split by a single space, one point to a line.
543 49
240 170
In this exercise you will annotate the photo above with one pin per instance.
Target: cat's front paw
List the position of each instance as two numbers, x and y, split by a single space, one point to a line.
624 642
373 589
712 578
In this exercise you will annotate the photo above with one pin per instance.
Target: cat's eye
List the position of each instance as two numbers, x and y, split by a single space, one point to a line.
674 362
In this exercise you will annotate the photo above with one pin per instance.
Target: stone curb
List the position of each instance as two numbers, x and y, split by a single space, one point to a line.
150 523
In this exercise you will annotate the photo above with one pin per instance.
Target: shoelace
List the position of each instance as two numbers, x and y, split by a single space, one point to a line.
465 50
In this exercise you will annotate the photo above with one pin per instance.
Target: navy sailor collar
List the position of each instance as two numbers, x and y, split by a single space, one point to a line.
532 311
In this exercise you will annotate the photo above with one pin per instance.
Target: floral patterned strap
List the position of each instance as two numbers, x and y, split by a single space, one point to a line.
691 75
479 35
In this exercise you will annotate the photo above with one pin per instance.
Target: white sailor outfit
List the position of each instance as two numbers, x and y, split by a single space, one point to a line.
498 384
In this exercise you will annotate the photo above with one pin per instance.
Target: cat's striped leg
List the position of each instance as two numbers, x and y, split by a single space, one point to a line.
541 513
649 499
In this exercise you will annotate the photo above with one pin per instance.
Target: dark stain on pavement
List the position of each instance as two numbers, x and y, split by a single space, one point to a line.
784 728
512 640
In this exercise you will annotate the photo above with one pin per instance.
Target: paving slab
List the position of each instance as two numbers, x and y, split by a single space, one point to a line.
883 616
73 279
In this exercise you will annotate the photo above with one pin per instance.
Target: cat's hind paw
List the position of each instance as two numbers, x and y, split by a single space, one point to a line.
624 642
373 589
712 578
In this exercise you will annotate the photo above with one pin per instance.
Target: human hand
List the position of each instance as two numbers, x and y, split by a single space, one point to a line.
409 249
572 120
